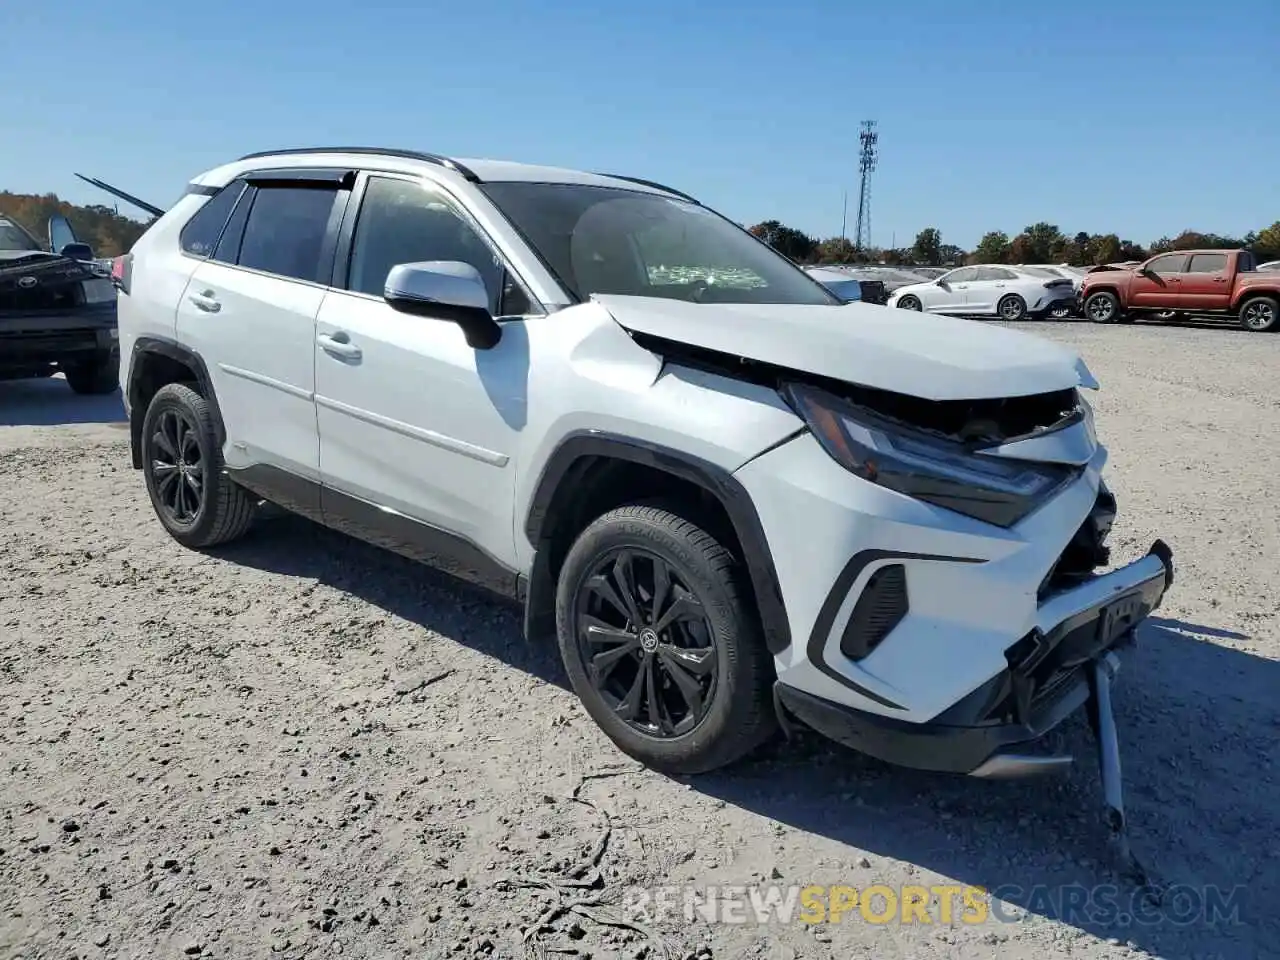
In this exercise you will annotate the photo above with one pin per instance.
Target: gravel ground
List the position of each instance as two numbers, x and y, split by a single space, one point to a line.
300 746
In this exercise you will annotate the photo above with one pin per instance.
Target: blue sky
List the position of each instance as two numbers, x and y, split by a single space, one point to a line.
1141 119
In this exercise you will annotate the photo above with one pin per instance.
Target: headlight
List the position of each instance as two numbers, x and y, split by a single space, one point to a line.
98 291
948 474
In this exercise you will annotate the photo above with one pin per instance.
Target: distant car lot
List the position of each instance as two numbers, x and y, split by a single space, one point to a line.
274 743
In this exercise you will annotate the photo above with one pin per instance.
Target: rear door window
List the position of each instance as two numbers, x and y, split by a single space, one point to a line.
1207 263
285 230
228 249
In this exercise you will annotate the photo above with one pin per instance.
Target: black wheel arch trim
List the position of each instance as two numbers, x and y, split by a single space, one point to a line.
835 599
162 346
716 480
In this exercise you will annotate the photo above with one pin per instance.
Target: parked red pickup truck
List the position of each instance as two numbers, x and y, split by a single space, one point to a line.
1200 282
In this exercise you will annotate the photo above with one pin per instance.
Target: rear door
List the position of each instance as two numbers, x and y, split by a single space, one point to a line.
1160 287
250 310
987 288
1206 282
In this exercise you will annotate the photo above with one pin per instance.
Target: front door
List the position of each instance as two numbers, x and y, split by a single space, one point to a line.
950 292
1206 283
414 423
1160 286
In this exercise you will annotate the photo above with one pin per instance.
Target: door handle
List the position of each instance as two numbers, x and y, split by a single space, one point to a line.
206 301
1219 279
339 345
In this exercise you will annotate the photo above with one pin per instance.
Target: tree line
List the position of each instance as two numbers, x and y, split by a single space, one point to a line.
110 234
106 231
1038 243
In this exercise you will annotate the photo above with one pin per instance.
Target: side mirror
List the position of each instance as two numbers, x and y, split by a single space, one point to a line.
77 251
445 290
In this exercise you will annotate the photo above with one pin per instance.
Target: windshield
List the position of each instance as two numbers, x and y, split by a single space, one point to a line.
616 241
14 238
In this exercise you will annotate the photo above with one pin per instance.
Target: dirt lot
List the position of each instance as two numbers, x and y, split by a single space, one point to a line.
299 746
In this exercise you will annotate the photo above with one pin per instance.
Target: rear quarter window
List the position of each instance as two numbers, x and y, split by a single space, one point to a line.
200 236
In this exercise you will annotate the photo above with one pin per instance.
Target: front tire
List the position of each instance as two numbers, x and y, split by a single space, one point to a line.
1102 307
660 643
94 377
910 302
1012 308
1260 314
182 464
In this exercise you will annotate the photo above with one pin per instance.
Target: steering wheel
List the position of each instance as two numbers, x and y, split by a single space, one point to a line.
700 287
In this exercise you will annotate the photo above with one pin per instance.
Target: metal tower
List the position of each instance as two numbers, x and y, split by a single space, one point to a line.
867 152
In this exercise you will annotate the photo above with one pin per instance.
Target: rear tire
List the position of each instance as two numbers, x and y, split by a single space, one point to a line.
1103 307
910 302
1260 314
94 377
1012 308
683 692
182 463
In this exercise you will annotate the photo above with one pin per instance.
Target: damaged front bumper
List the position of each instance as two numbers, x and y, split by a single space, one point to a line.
1052 672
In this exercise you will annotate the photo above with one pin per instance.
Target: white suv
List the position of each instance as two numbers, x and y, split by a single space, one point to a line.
734 499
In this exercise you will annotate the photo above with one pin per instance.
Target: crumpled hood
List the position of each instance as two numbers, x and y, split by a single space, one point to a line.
918 354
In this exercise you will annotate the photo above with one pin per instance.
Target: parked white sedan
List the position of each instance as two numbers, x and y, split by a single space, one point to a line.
1011 293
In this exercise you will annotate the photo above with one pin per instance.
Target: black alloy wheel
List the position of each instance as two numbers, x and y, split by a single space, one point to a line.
661 639
177 467
182 464
647 643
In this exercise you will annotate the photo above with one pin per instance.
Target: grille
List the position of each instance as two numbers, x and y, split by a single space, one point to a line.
873 291
43 296
880 608
52 342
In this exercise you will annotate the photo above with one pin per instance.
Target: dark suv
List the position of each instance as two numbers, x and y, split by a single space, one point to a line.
57 310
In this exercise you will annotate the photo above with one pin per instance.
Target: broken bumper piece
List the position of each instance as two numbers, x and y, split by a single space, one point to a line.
1051 674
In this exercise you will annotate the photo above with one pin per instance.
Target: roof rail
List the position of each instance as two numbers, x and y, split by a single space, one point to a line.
650 183
384 151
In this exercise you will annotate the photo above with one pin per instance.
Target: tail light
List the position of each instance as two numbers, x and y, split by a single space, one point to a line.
122 271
